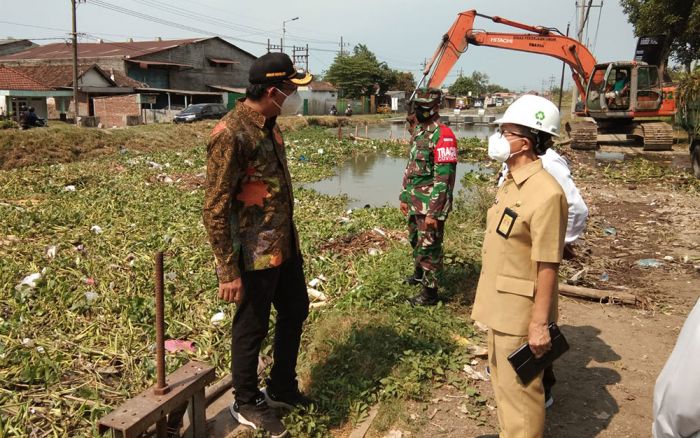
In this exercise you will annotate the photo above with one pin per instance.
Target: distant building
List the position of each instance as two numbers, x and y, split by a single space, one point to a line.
11 46
318 98
186 64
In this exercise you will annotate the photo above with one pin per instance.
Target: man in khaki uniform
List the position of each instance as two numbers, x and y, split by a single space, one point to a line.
517 292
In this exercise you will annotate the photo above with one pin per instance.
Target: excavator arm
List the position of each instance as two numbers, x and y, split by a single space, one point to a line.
538 39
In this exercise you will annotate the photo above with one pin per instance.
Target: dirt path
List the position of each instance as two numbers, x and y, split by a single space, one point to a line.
605 382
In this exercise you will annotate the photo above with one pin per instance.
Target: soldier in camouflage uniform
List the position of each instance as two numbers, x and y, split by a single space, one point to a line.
426 197
248 214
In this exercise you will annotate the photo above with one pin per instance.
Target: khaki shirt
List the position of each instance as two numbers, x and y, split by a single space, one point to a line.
248 199
505 294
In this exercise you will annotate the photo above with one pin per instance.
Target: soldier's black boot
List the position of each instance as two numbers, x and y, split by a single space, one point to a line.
413 280
427 297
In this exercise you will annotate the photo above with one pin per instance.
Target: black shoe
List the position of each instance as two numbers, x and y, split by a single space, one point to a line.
427 297
411 280
414 280
286 400
258 416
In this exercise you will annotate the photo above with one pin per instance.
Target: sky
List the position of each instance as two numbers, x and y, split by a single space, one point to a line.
401 33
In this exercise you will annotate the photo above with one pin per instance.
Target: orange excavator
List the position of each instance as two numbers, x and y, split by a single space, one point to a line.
620 100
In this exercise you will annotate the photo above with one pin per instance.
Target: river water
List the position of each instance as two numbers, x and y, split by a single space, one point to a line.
375 180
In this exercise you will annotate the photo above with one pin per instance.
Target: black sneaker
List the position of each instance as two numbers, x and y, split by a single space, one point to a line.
286 400
427 297
258 416
411 281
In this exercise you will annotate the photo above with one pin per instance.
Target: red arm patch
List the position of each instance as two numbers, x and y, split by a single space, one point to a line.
446 147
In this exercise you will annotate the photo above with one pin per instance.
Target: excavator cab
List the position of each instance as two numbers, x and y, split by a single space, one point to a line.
623 89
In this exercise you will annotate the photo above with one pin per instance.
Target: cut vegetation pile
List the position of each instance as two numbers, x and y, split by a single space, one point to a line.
77 316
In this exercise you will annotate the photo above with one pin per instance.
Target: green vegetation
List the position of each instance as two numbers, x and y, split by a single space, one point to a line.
359 73
477 84
677 20
80 340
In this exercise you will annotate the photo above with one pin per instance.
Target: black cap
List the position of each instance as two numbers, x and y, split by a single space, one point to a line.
276 67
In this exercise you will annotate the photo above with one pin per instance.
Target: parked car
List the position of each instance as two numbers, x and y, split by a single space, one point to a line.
201 111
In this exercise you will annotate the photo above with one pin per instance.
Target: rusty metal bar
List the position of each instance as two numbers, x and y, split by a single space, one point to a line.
161 387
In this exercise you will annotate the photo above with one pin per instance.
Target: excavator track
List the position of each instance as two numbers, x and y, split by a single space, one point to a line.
583 134
657 136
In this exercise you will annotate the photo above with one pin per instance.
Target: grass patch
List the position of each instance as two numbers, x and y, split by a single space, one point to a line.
79 342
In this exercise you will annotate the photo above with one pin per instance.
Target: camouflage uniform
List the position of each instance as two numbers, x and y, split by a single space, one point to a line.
248 202
428 182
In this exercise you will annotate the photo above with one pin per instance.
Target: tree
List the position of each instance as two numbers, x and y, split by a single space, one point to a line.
477 83
678 20
403 81
360 74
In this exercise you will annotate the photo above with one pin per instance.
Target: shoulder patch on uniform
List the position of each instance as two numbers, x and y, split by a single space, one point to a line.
446 147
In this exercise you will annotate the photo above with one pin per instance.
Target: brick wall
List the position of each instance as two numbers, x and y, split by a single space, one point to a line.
112 110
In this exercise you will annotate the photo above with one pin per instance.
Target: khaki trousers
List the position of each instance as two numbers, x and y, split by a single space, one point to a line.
520 407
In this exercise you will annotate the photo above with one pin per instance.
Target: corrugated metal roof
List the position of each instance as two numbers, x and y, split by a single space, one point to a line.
100 50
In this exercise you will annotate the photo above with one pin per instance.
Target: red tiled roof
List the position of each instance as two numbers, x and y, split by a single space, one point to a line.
11 79
99 50
321 86
58 76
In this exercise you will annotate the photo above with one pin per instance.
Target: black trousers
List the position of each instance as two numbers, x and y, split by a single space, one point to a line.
285 288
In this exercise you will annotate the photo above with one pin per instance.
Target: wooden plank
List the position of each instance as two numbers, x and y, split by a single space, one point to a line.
597 295
137 414
362 429
198 409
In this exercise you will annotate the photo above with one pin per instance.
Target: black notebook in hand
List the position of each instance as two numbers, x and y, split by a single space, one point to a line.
527 366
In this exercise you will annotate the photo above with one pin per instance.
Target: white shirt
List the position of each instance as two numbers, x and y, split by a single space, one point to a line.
557 166
677 390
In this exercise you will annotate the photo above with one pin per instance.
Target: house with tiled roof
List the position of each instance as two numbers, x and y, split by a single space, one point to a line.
19 90
185 64
174 73
49 88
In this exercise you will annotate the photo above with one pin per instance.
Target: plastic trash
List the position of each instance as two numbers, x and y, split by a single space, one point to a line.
27 342
30 280
175 345
217 318
91 296
154 165
69 188
320 151
96 229
316 282
316 294
604 276
611 231
373 251
51 252
669 258
649 263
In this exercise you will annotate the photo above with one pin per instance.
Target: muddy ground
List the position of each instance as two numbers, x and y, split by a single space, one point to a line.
605 382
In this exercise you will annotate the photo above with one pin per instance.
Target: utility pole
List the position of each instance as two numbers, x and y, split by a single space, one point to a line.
284 30
341 46
74 34
563 68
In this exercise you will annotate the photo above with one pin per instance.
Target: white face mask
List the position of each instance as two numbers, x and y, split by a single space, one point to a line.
291 105
499 148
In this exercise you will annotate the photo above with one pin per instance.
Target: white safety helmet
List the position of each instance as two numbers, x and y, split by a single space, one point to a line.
534 112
